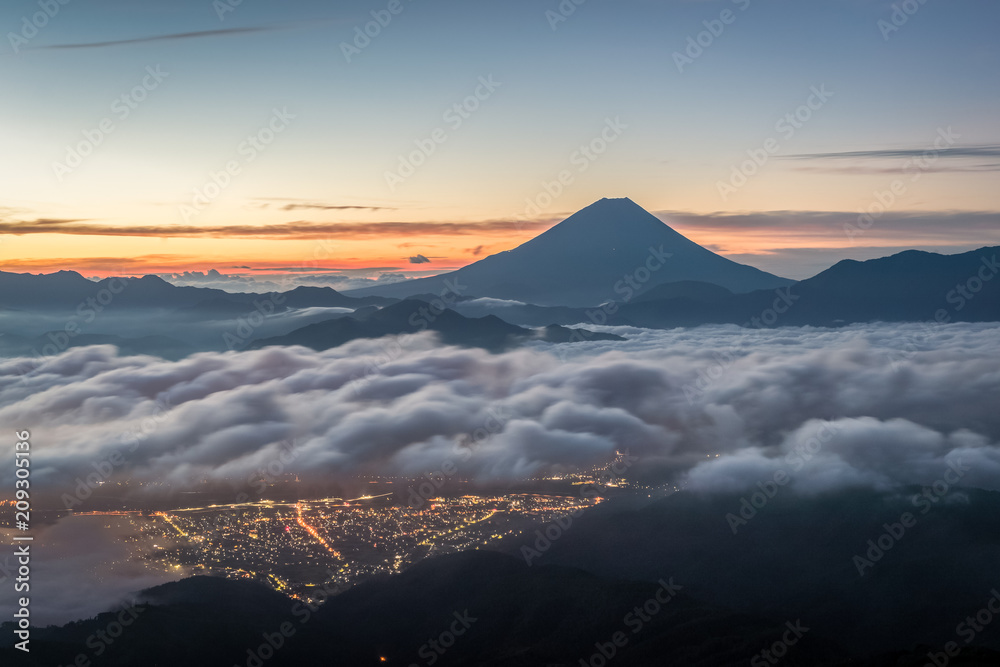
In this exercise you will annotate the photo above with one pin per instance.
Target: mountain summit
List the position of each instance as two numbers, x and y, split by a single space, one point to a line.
610 250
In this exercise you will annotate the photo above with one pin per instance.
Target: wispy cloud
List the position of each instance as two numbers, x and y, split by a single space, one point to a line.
301 205
857 169
298 230
969 158
419 259
958 225
972 151
800 244
162 38
321 269
328 207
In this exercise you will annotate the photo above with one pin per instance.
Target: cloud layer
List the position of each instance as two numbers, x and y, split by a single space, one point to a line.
720 408
903 400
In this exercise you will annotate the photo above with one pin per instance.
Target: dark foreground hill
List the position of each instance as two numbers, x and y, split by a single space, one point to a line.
789 573
477 608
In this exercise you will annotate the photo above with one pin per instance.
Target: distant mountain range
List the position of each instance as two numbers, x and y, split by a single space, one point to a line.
911 286
68 290
414 315
612 263
610 249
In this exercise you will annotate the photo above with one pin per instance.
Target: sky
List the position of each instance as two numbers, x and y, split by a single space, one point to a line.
261 138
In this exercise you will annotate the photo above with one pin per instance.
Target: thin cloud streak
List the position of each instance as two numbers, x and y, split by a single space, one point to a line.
982 150
161 38
926 155
295 231
328 207
938 223
866 171
308 204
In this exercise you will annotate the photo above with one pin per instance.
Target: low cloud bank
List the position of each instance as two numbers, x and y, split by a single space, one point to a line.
901 402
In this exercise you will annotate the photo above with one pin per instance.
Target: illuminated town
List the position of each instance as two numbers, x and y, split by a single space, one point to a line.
298 547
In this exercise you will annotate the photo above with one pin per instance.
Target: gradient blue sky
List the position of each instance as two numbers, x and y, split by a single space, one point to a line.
685 130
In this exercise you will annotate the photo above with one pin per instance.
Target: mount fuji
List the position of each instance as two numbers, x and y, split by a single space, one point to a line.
611 250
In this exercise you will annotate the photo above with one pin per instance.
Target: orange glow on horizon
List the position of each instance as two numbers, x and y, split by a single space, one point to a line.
367 256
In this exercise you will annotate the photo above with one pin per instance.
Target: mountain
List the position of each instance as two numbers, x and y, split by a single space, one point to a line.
327 297
908 286
466 609
414 315
738 596
685 289
911 286
611 250
67 290
797 557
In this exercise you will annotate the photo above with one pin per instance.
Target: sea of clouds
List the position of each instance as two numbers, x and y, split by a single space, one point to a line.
900 398
876 406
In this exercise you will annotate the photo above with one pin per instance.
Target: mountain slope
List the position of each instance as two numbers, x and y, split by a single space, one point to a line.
483 608
607 251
